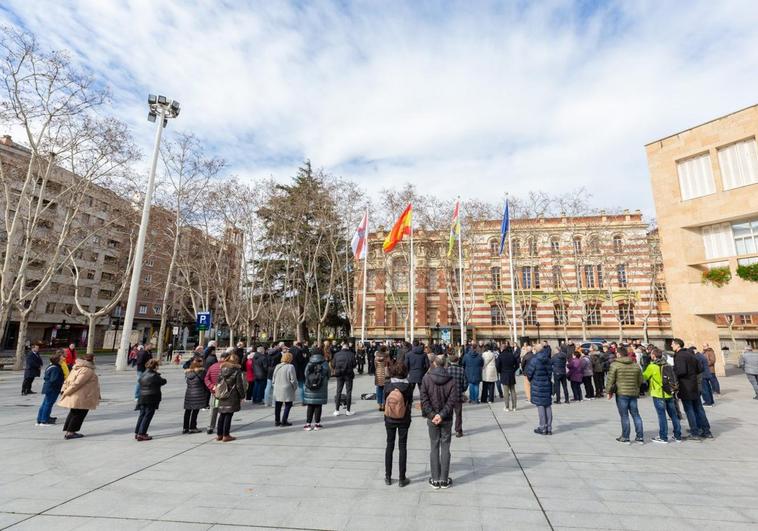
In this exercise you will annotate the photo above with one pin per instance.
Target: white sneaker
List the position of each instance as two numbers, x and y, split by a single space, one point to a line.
317 427
336 413
506 409
349 413
307 427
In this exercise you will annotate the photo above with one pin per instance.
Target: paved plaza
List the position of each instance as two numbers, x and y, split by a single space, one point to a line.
505 476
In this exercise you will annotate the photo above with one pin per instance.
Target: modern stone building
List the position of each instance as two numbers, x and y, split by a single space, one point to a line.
705 185
575 277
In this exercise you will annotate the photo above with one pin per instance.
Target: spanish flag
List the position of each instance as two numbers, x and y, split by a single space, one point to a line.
401 228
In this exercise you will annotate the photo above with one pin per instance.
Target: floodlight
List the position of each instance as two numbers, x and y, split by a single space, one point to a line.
151 116
165 122
152 99
162 100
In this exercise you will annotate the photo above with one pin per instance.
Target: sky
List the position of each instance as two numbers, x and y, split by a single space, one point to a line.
470 98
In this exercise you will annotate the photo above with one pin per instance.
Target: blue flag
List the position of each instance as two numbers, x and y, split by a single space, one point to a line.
504 227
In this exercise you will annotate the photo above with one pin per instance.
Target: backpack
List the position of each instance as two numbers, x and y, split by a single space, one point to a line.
340 366
670 382
223 391
394 405
314 376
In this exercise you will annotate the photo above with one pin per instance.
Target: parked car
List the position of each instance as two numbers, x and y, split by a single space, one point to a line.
585 347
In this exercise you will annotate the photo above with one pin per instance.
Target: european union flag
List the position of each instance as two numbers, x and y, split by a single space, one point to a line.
504 227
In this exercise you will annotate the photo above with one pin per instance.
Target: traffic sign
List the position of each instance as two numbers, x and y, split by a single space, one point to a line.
176 331
203 320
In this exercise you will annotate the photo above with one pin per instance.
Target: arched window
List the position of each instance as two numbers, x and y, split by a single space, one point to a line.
494 247
594 314
516 248
495 274
496 316
560 314
594 245
555 245
532 246
529 314
626 313
618 244
578 245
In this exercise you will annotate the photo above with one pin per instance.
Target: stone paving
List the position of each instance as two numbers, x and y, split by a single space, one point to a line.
505 476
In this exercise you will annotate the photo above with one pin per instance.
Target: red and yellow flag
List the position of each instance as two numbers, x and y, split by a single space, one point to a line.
401 228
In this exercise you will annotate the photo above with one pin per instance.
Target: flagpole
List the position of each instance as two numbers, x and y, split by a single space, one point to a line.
460 275
513 280
365 277
412 291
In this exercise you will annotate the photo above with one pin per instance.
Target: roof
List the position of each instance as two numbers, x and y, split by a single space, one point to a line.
702 124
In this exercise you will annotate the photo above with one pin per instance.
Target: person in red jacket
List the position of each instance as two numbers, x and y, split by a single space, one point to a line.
249 374
70 354
211 379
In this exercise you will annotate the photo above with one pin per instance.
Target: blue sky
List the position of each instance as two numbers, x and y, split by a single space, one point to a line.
470 98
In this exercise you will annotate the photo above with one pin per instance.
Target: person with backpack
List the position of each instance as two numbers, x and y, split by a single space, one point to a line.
211 379
380 371
260 374
150 384
559 362
439 394
50 390
344 365
687 367
195 395
455 370
624 380
417 363
229 391
397 419
316 389
285 385
662 385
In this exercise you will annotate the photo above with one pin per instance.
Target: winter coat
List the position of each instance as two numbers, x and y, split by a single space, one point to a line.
586 366
53 380
507 364
418 364
748 362
150 388
285 382
710 355
142 358
81 390
540 373
575 372
705 371
260 365
380 369
211 376
274 359
317 396
210 360
70 356
654 375
459 375
196 395
300 360
33 365
489 366
525 359
472 364
626 375
559 362
687 368
405 388
232 374
598 360
344 358
249 372
439 394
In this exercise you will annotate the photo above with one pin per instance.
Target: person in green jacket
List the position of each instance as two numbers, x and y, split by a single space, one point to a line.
624 379
663 401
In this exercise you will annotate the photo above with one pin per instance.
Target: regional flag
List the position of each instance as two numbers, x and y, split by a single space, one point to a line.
359 239
455 229
401 228
504 227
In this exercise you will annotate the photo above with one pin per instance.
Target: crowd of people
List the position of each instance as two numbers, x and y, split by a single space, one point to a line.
446 378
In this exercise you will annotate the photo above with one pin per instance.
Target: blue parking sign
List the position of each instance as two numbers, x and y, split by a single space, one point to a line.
203 321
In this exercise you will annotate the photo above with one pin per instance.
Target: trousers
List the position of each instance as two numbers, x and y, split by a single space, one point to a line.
190 419
74 420
347 383
546 417
439 452
224 424
313 410
402 445
143 421
510 395
558 381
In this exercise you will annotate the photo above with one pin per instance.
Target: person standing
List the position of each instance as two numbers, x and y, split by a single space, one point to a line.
380 368
142 358
260 372
230 390
528 354
559 362
598 370
316 389
576 375
439 393
704 380
748 362
50 390
150 382
587 376
417 363
344 365
209 350
687 368
539 371
80 393
32 369
249 375
455 370
211 379
397 420
299 361
473 364
169 351
710 355
274 358
507 364
489 374
195 396
70 356
285 385
624 380
663 396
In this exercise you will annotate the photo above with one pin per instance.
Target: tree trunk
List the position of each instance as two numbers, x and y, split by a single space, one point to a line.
231 337
4 318
91 335
645 334
23 324
318 333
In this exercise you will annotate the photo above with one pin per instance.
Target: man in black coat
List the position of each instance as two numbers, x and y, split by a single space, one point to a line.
418 363
344 364
687 368
260 370
32 369
299 360
439 395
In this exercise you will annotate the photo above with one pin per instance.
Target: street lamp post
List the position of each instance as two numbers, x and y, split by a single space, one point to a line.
539 339
161 109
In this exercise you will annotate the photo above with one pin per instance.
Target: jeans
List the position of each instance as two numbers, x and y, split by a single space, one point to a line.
143 421
473 392
268 397
599 380
663 406
558 381
458 415
499 388
74 420
715 385
753 379
576 388
628 405
589 391
696 417
380 395
43 415
402 445
439 453
347 383
301 391
190 419
313 410
510 396
259 387
488 391
278 411
136 388
546 417
706 392
224 424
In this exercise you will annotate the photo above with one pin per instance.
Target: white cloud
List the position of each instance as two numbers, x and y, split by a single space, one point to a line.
467 98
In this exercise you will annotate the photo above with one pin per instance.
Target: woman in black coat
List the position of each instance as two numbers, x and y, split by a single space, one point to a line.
397 379
507 364
195 396
150 384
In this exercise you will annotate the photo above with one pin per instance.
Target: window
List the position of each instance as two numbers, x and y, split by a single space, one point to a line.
577 245
532 247
113 244
530 314
495 274
516 248
530 277
494 247
148 278
618 244
142 309
106 276
745 237
496 316
593 314
745 319
555 245
87 292
370 317
432 280
589 276
556 277
149 262
371 280
91 275
739 164
50 307
621 272
626 313
599 270
431 315
578 273
660 292
399 276
157 309
560 314
594 246
718 241
695 177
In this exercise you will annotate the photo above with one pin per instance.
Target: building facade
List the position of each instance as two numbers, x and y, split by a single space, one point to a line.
574 277
705 185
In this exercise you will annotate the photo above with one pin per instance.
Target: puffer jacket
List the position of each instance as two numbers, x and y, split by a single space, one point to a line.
489 367
260 365
232 374
586 366
598 361
575 372
81 390
540 374
318 396
472 364
196 395
439 394
150 384
626 375
53 380
559 362
418 364
748 362
380 369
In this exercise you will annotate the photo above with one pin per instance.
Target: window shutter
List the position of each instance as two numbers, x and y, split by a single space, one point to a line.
739 164
695 177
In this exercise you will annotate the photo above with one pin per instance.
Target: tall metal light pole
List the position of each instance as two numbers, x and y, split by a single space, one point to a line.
161 109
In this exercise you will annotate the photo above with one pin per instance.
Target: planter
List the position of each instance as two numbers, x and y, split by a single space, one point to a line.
748 272
718 276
